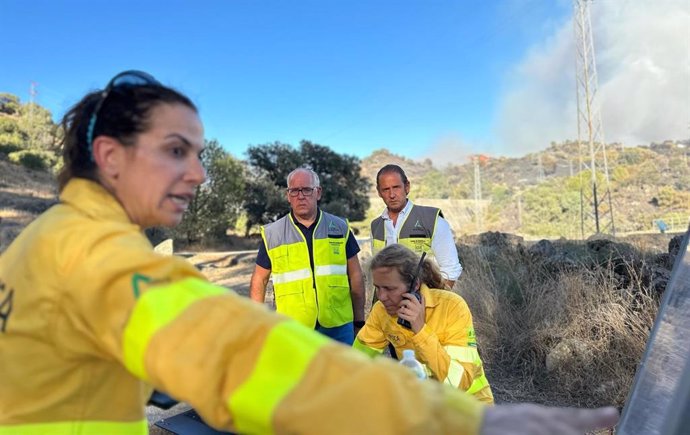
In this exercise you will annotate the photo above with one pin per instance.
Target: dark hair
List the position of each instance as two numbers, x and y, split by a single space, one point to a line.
405 262
124 114
391 168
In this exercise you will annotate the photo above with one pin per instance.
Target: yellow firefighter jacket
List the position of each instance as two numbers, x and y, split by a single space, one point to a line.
446 345
92 318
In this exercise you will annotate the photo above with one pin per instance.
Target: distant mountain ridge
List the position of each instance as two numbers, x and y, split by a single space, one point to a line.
534 196
539 192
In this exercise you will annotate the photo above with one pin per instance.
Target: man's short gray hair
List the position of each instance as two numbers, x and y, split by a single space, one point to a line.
314 175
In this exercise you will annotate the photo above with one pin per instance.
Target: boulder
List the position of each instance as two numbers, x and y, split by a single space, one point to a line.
566 353
165 247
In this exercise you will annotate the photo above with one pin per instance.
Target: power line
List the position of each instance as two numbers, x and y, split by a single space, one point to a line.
32 93
479 160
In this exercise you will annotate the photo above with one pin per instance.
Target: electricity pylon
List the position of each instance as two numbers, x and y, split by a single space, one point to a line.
478 160
477 196
32 130
596 209
540 169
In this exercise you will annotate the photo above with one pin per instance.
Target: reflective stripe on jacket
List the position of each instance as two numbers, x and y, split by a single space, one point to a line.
416 232
77 428
446 345
75 272
293 282
96 316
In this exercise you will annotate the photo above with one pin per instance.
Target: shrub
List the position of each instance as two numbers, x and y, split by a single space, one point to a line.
9 148
37 160
561 329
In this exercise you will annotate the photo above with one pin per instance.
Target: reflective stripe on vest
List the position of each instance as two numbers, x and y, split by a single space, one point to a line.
285 356
293 280
78 428
286 277
416 232
331 269
155 309
464 354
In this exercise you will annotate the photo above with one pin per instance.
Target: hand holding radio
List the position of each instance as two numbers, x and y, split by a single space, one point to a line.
412 312
413 300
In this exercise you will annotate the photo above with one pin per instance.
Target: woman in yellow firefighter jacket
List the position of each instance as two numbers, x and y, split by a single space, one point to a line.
441 331
91 318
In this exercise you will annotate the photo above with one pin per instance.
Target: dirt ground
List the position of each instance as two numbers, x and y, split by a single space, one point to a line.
227 269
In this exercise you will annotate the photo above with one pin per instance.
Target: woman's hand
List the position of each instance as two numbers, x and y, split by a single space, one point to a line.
412 310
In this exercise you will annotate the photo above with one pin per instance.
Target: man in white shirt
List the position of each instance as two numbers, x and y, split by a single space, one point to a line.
420 228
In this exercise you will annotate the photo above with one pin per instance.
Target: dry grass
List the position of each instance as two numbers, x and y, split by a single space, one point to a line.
12 222
569 337
24 194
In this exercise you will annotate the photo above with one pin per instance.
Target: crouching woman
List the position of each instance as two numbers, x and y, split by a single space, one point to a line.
440 323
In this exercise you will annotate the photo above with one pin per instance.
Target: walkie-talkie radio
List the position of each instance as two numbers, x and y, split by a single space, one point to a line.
402 322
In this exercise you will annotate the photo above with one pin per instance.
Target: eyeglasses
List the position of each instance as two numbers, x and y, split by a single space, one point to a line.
124 79
306 191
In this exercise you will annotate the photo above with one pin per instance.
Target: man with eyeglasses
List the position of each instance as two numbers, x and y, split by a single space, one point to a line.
420 228
312 255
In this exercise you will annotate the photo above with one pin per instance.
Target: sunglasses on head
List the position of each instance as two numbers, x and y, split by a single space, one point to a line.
124 79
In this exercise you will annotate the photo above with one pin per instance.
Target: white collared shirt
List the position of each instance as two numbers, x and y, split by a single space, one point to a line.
442 243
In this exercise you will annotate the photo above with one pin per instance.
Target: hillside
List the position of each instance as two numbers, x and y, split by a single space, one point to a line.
534 196
539 195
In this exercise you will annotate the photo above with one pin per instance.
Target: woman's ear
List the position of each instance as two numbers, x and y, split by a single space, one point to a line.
108 154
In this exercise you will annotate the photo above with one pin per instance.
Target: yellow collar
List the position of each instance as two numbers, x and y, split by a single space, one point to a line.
429 299
93 200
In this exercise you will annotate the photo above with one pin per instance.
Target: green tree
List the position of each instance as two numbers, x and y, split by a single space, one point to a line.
551 209
28 129
37 123
269 165
672 199
264 200
434 184
218 202
344 188
11 136
9 104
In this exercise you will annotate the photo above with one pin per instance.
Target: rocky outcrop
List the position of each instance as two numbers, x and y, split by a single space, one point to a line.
628 266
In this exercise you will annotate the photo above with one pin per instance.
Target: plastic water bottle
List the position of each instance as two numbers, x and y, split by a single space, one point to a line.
408 360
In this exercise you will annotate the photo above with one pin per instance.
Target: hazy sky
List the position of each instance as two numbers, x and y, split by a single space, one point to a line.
423 78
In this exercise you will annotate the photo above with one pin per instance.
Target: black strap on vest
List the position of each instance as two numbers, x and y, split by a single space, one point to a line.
391 349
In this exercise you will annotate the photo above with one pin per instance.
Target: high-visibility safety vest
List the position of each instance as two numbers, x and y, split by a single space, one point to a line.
416 232
304 294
